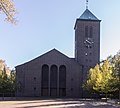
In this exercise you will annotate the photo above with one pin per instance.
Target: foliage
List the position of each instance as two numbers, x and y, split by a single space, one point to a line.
8 8
92 77
101 79
104 78
116 64
7 79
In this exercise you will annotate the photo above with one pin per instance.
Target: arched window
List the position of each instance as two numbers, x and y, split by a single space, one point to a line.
86 31
91 31
44 80
62 80
53 80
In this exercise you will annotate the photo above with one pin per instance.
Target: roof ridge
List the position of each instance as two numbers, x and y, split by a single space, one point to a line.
88 15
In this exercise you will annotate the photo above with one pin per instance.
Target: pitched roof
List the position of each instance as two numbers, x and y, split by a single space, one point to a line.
87 15
49 53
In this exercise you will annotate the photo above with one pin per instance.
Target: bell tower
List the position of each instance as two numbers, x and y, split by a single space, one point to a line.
87 40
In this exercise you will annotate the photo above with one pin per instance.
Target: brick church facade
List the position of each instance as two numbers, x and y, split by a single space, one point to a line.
54 74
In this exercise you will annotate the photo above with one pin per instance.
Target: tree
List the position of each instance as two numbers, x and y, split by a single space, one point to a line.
104 83
3 67
8 8
92 78
101 79
4 81
13 80
7 79
116 65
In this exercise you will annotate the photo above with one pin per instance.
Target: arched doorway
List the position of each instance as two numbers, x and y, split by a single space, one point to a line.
45 80
62 80
53 80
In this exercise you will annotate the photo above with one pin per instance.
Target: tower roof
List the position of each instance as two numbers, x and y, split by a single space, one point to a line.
87 15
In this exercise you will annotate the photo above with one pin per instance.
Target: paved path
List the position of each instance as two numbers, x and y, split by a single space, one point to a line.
56 103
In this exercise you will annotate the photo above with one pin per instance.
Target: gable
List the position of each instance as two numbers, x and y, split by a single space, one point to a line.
53 56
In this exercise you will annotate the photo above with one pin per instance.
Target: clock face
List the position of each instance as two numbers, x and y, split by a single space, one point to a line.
88 42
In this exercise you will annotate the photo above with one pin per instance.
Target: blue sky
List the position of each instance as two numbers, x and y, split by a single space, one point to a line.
53 21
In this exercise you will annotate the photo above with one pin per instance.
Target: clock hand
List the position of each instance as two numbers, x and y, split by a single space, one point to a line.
88 41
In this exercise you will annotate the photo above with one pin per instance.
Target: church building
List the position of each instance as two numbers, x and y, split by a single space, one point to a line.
54 74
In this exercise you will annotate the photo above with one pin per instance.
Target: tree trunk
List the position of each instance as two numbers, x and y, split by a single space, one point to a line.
106 96
119 95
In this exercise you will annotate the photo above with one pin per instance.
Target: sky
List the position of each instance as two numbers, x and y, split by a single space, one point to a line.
47 24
